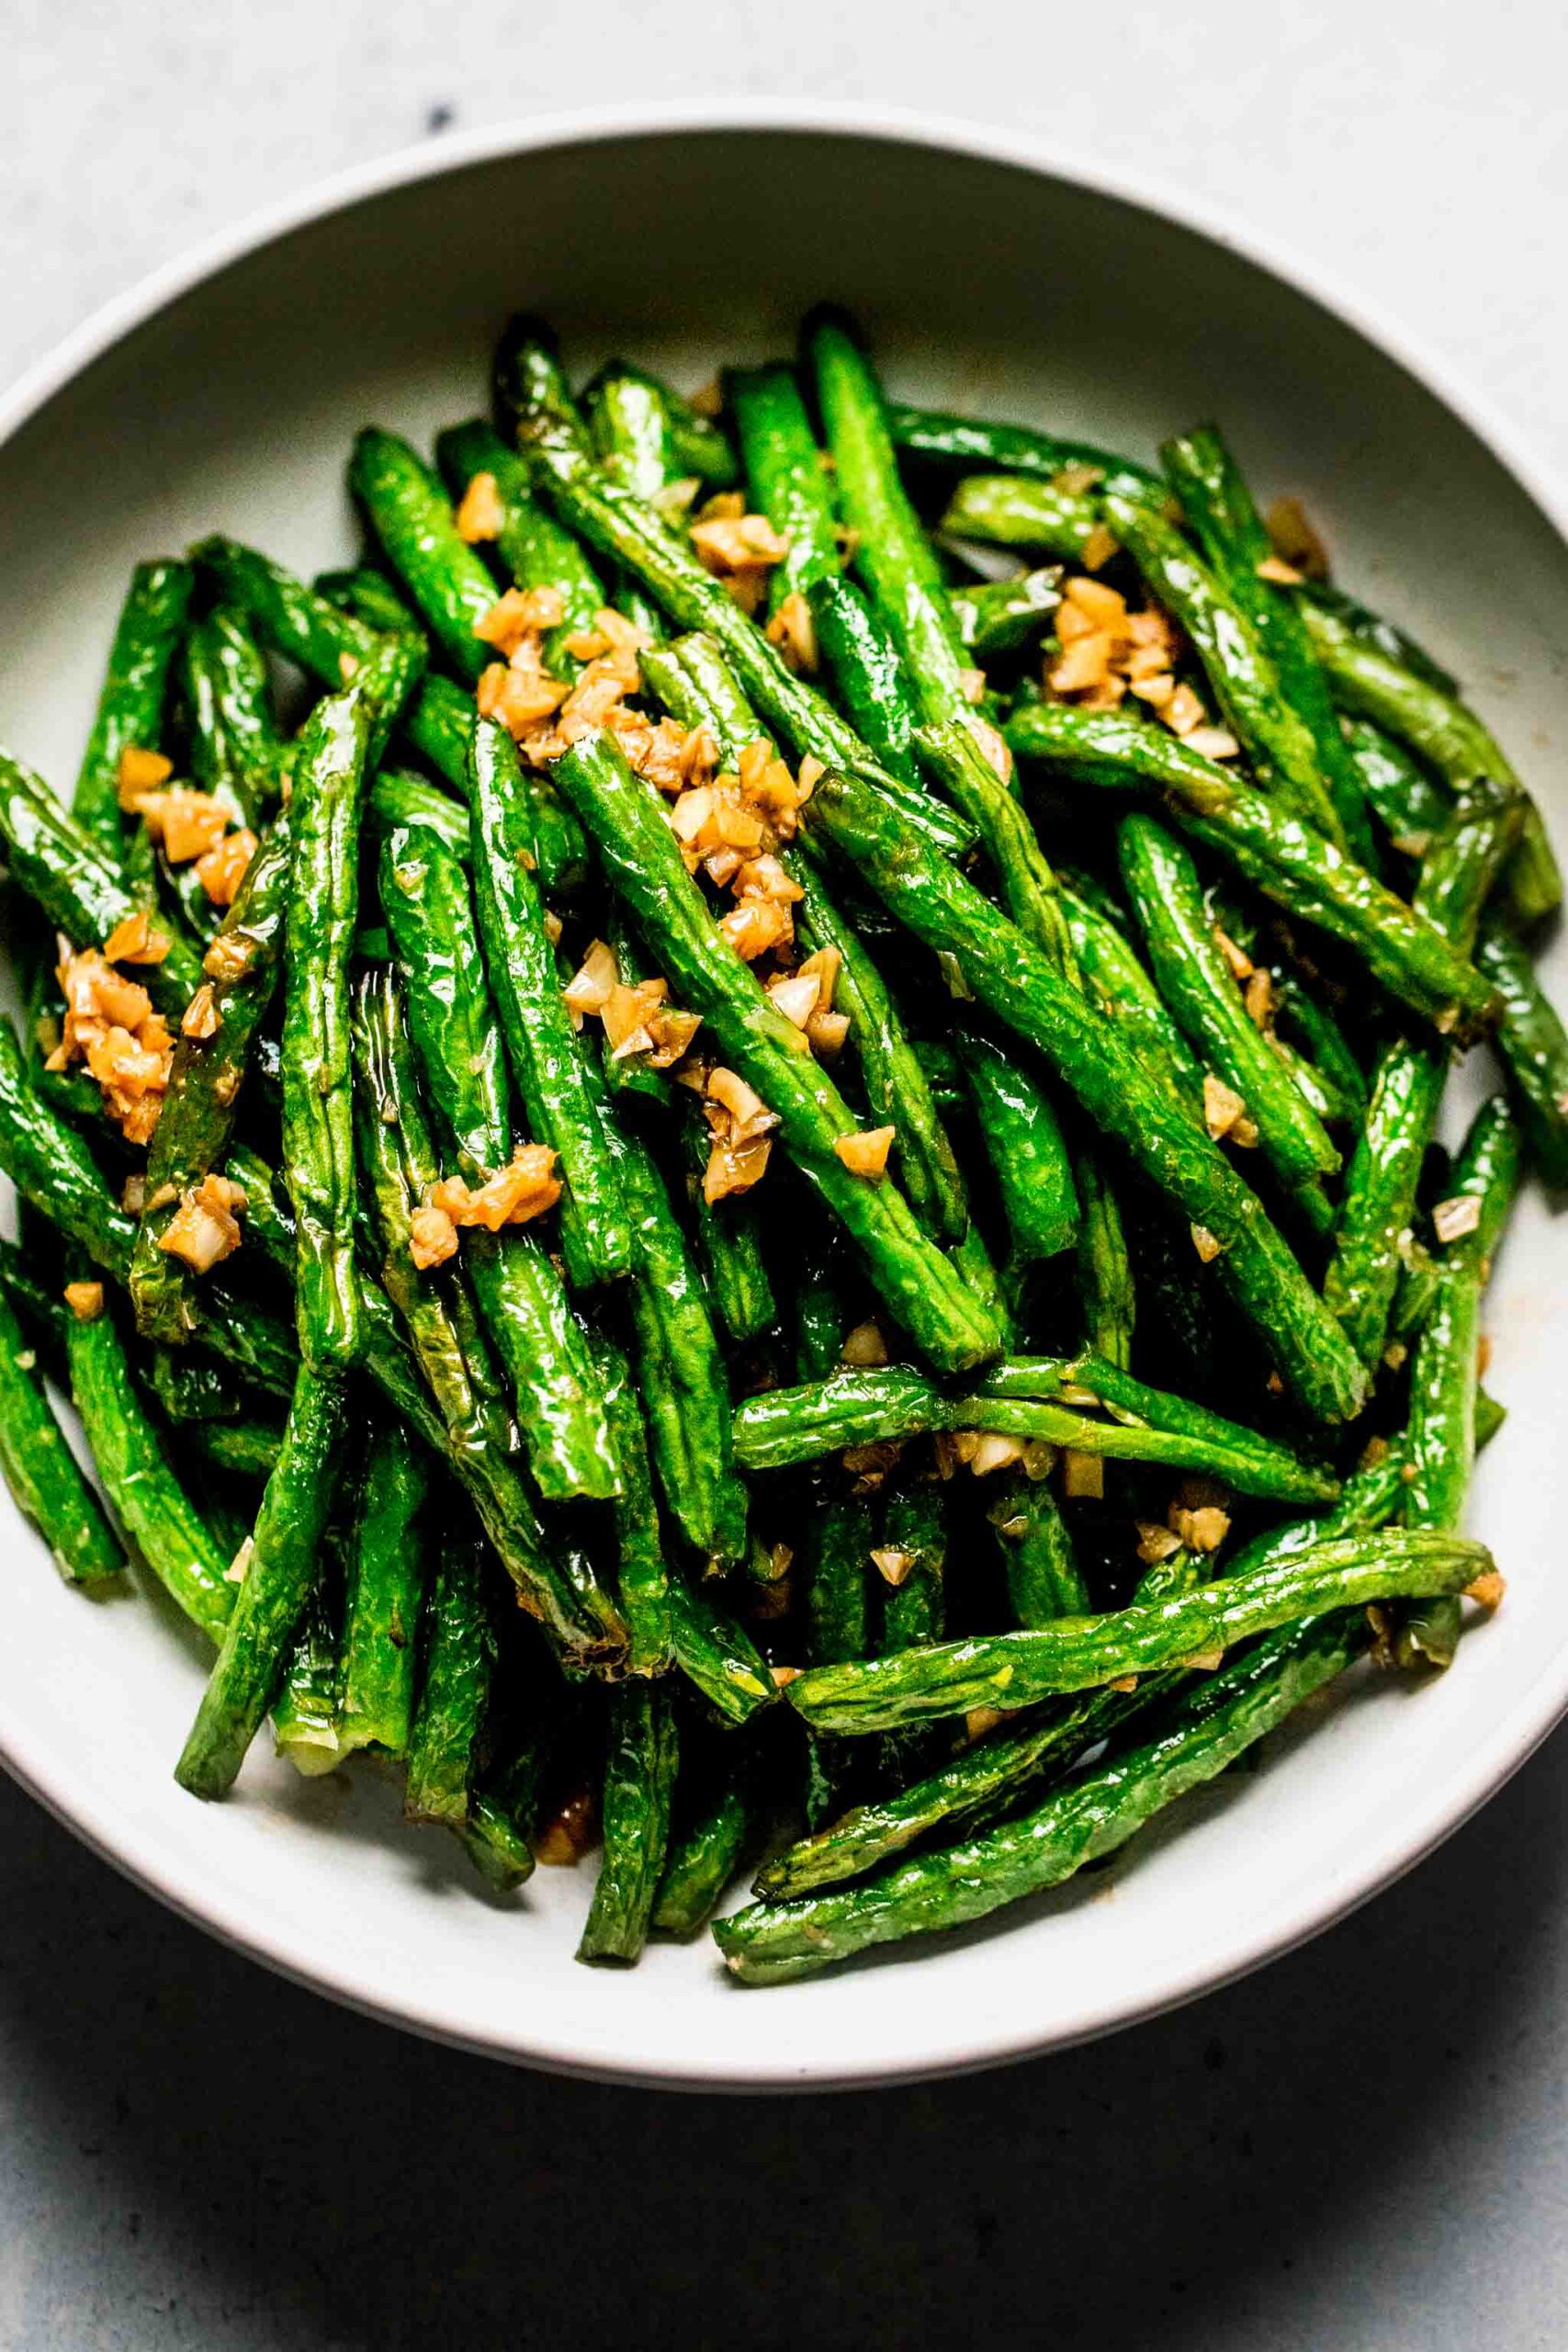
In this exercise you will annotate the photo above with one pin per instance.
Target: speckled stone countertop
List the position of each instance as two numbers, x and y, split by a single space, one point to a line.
1363 2147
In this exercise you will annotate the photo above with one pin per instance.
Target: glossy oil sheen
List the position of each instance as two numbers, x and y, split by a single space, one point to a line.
231 401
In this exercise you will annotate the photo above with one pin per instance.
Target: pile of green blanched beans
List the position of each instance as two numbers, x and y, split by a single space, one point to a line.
887 1400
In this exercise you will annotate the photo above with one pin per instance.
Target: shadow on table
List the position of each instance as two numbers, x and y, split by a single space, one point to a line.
247 2166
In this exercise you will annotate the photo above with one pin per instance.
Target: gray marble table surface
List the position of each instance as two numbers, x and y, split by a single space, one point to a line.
1363 2147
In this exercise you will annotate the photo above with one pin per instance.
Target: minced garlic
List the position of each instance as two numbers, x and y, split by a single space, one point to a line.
866 1154
481 515
205 1228
864 1346
221 869
110 1024
1107 653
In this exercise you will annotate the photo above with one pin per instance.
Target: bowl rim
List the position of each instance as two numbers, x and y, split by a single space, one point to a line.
1490 1762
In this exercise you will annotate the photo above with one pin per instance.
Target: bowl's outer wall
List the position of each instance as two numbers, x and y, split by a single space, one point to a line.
989 287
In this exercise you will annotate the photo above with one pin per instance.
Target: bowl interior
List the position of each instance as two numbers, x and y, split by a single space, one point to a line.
989 287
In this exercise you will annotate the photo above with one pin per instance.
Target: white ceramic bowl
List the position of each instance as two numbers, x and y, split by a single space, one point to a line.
993 277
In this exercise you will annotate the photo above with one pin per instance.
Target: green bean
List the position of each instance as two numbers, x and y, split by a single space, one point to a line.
1043 1578
819 1317
1008 510
545 1059
285 614
1415 1291
611 519
1023 1142
643 1577
699 442
1087 1054
1103 1268
438 721
1368 1500
1409 806
1009 1671
1033 900
704 1853
863 666
896 1093
1447 733
131 707
1534 1047
389 1567
49 857
305 1712
1380 1191
527 376
1287 859
190 1387
1322 1054
1219 506
318 1121
1197 983
892 553
1465 862
370 596
1376 1216
773 1943
426 894
1445 1378
243 1449
790 485
1371 629
639 1780
1118 982
441 725
913 1550
471 1425
236 744
717 1656
1023 1396
40 1469
397 796
269 1220
1029 886
495 1843
729 1246
1004 615
206 1081
411 516
784 475
945 440
644 861
629 425
458 1661
837 1600
1130 1400
32 1279
837 1626
914 1529
681 1380
939 1061
531 543
1276 738
988 1778
272 1596
962 1794
51 1167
